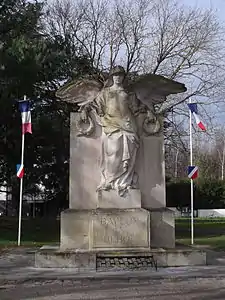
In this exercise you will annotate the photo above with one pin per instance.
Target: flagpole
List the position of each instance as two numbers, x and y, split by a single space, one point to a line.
192 186
21 187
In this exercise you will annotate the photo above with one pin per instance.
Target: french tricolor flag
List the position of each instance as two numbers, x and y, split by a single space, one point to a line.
24 107
192 172
19 171
194 109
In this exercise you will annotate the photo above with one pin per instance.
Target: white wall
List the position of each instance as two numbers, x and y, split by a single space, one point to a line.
2 194
211 213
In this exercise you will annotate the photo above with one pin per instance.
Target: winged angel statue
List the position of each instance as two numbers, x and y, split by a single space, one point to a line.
118 108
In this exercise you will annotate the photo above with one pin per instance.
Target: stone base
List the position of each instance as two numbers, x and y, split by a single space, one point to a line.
162 228
122 260
105 229
111 199
54 258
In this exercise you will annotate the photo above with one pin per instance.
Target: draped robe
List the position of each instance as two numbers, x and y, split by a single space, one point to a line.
120 140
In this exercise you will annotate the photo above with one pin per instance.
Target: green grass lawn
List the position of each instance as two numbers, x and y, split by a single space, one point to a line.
214 242
38 232
34 233
209 232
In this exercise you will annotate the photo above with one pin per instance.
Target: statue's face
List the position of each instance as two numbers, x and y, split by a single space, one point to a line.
118 79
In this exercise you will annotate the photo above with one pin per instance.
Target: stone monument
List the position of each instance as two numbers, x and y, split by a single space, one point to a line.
117 205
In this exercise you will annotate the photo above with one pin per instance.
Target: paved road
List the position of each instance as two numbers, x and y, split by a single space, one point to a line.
20 280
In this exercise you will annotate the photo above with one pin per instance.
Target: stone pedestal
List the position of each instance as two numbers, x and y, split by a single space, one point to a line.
49 257
103 229
75 229
83 261
162 228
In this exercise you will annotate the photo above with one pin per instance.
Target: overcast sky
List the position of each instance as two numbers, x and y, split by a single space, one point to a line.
218 5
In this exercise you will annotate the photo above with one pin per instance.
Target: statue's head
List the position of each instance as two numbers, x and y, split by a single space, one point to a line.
117 71
116 75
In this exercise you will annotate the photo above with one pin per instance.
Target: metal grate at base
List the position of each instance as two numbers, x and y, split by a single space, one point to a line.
126 263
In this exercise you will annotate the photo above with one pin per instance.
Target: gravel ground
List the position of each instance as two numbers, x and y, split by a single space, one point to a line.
139 288
20 280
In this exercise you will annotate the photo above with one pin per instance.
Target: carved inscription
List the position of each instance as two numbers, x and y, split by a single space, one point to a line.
120 231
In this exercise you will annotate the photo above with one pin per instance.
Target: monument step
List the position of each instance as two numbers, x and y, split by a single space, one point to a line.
82 261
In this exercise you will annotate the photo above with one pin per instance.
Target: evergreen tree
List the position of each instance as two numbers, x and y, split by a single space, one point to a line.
34 63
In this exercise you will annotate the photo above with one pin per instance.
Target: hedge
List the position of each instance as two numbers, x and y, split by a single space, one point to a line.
208 194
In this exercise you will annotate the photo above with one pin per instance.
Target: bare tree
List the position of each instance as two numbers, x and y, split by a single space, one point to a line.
158 36
105 31
188 47
219 150
177 151
222 159
209 155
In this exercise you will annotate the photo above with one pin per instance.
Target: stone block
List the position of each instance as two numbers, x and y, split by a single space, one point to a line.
80 262
111 199
83 261
85 172
151 172
178 257
121 229
75 229
162 228
105 229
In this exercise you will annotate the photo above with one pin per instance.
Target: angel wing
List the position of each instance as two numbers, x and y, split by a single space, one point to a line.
79 92
153 89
